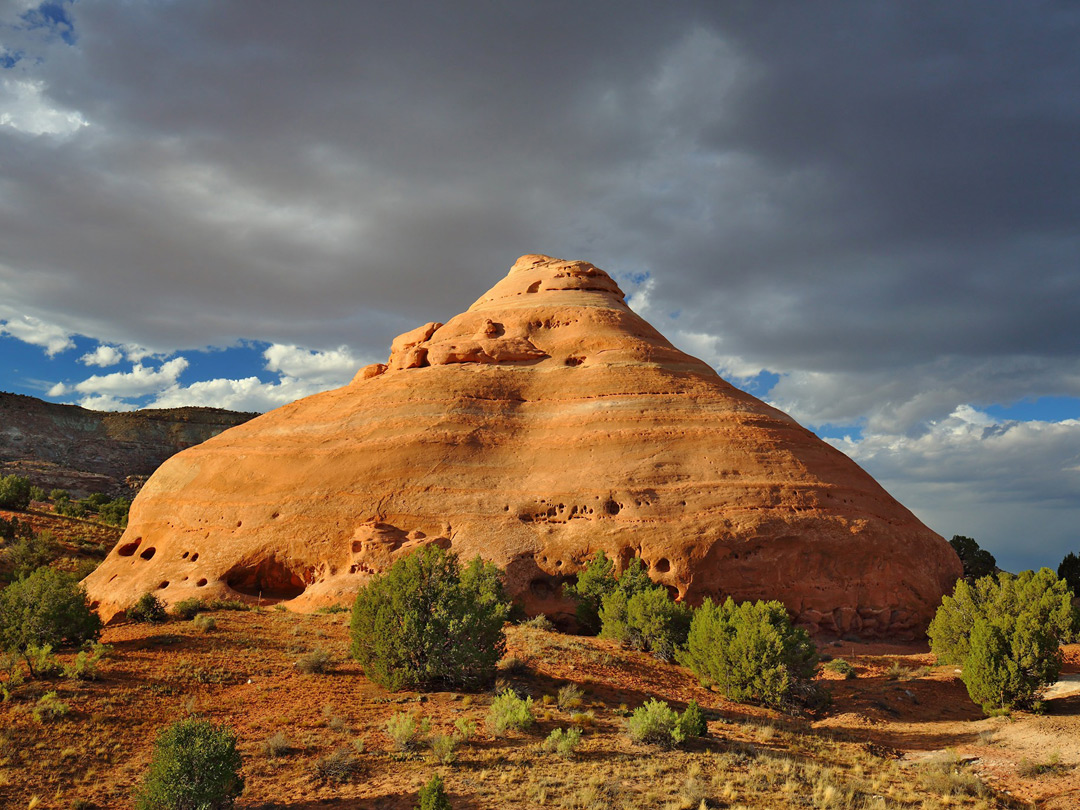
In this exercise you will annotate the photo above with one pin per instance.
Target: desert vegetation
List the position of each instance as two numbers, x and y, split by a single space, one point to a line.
677 708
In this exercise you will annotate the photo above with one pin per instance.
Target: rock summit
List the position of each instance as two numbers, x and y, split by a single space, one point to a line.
543 424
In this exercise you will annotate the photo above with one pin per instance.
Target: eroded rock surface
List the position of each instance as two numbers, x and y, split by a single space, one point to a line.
546 422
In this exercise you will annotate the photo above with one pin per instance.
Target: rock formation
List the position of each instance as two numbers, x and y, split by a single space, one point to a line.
546 422
83 451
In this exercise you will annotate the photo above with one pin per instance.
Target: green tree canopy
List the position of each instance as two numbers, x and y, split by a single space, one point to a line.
428 623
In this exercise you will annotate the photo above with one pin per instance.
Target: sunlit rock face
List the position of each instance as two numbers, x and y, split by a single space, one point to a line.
545 423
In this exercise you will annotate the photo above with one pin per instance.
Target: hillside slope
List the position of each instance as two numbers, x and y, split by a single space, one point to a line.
84 451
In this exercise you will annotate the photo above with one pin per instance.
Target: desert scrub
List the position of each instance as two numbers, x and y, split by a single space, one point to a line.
337 768
841 667
539 622
655 723
433 796
562 741
188 608
196 764
204 623
427 622
510 712
750 652
47 607
49 707
946 775
569 697
465 729
402 730
443 748
276 745
84 667
147 610
317 662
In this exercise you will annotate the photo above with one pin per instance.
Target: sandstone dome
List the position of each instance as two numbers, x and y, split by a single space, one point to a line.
545 423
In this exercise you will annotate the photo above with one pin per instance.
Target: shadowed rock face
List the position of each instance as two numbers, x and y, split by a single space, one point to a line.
543 424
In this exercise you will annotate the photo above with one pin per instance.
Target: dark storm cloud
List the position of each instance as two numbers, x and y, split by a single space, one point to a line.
795 177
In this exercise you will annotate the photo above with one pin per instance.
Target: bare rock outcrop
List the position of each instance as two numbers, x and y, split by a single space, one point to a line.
546 422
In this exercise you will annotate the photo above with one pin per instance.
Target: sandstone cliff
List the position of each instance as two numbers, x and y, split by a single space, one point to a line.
84 451
546 422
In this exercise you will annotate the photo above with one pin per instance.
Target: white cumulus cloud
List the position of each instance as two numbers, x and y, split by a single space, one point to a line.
104 356
334 367
140 381
52 338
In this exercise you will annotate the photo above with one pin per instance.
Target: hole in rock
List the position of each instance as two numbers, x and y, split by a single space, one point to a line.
163 584
574 361
195 557
128 549
112 577
547 587
611 507
663 565
239 523
150 552
95 605
534 287
268 579
200 583
184 555
673 592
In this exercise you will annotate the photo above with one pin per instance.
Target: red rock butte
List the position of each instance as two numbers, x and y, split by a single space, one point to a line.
543 424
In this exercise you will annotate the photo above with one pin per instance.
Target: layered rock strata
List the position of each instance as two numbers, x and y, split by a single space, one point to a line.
545 423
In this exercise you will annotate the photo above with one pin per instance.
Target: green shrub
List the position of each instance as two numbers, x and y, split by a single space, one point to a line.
41 662
428 623
49 707
692 721
14 493
1005 633
31 552
204 623
655 723
37 493
196 766
59 495
464 728
48 607
640 614
509 711
148 610
85 665
115 512
595 581
977 561
402 729
189 608
562 741
433 795
442 748
750 652
656 623
841 667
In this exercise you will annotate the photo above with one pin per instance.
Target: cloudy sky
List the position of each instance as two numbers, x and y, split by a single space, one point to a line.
867 213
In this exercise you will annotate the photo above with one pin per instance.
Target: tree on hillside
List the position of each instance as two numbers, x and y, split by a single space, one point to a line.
14 493
1005 632
1069 570
977 561
427 622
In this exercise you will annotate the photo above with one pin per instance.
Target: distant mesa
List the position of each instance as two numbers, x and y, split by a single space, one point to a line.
546 422
83 451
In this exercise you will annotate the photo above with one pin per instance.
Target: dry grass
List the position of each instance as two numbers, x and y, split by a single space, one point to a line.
299 733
